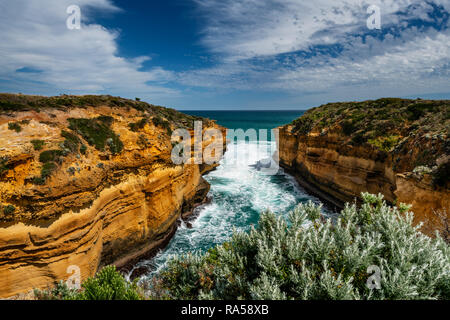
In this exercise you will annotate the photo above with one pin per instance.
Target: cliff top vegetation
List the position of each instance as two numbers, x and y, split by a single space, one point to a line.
19 102
414 132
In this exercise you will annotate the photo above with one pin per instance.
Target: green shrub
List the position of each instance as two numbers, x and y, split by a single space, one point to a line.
9 209
71 141
418 110
83 149
385 143
97 132
46 171
108 120
38 181
4 166
108 284
60 292
303 125
14 126
37 144
159 122
135 126
310 257
50 155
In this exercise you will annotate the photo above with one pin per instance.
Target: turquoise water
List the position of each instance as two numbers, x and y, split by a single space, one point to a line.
239 192
249 119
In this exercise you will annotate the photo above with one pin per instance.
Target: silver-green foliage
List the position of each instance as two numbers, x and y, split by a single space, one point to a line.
107 284
310 257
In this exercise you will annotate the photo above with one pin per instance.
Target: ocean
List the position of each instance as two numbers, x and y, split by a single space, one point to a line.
238 191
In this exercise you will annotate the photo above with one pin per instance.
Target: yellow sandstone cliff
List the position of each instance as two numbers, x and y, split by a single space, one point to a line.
85 204
396 147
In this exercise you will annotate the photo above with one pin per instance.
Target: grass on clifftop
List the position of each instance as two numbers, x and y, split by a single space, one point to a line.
414 132
20 102
371 252
378 118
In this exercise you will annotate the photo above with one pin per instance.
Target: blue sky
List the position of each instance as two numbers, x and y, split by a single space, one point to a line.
227 54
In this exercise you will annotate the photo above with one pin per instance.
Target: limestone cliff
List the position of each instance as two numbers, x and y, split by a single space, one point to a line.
87 181
396 147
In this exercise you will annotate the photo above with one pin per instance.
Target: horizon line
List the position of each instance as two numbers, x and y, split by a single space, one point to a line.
181 110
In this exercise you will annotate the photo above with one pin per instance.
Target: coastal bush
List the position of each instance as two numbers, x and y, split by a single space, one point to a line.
4 166
311 257
83 149
19 102
50 155
49 159
303 125
384 143
59 292
9 209
97 133
71 141
107 284
159 122
14 126
418 110
108 120
46 171
135 126
37 144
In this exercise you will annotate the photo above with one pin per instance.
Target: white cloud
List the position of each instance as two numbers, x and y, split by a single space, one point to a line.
33 35
420 64
259 42
249 28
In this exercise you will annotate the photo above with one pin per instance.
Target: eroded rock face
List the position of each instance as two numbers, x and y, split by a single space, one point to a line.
95 207
320 163
338 167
